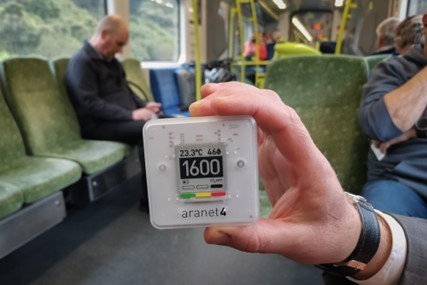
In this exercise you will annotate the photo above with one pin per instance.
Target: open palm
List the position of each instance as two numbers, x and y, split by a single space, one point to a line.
309 205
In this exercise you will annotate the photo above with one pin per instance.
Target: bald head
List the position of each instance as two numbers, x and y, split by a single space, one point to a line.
111 36
114 24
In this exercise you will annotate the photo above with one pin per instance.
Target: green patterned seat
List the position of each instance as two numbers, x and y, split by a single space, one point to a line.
326 91
135 77
11 199
33 177
373 60
58 67
47 118
37 177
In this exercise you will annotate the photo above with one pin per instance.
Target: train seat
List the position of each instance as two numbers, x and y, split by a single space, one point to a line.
47 118
186 81
165 91
285 49
50 128
136 79
35 177
326 91
11 199
373 60
30 187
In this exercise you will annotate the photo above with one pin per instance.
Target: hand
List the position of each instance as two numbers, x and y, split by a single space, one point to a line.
142 114
311 221
383 146
154 107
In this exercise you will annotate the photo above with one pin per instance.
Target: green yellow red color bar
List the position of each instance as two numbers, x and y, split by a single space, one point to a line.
202 195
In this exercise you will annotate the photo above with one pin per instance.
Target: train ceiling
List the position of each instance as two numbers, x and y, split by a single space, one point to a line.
294 5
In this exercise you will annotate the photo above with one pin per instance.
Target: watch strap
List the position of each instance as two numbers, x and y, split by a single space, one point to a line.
420 127
367 244
421 133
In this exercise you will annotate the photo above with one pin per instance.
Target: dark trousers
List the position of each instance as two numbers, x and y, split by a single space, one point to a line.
127 132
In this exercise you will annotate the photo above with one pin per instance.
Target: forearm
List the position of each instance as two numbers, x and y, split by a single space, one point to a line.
375 120
406 103
101 109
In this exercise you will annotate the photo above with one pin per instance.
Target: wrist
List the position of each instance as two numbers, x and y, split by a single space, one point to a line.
352 229
368 240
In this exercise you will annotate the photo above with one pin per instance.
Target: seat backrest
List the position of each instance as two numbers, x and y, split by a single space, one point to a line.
326 92
373 60
11 143
136 78
59 70
186 81
45 116
284 49
165 90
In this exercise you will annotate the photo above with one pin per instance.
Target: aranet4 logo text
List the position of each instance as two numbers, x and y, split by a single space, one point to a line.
186 214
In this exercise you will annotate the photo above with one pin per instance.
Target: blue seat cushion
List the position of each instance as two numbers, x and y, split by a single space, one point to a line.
165 90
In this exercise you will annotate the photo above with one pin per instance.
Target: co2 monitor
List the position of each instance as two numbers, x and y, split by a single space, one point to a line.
202 171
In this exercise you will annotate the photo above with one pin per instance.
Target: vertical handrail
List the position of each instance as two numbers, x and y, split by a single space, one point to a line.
197 43
253 19
346 15
242 39
231 31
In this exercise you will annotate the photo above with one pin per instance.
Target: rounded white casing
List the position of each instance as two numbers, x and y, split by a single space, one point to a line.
202 171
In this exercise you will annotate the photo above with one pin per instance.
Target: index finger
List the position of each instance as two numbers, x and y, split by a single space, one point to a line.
271 114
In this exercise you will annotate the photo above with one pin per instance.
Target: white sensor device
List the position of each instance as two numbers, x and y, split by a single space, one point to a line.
202 171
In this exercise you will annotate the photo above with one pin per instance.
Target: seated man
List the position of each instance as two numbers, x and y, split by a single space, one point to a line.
392 112
106 107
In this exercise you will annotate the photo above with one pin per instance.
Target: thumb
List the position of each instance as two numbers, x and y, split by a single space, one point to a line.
257 237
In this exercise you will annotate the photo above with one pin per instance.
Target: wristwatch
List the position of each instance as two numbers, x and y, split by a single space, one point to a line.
421 127
367 246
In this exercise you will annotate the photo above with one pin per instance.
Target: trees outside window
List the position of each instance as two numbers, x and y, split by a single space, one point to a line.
49 28
54 28
154 30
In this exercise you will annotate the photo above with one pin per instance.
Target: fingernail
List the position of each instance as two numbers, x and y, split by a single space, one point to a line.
193 107
220 238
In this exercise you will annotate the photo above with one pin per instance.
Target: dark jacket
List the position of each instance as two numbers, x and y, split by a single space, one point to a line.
98 89
405 162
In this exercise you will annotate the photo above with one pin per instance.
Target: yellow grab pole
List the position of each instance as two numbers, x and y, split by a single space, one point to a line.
346 15
197 43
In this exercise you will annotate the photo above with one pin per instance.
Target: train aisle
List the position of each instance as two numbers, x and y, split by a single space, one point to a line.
111 242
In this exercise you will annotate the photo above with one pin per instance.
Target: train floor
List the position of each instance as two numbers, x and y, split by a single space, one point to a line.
112 242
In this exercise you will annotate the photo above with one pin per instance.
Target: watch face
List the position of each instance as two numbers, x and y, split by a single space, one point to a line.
421 124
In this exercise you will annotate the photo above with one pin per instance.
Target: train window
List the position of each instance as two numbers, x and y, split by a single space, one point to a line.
417 7
154 29
49 28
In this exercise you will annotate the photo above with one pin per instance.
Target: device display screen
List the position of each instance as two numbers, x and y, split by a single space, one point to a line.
201 171
203 161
